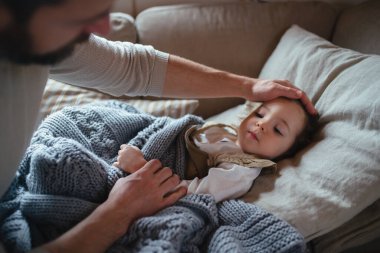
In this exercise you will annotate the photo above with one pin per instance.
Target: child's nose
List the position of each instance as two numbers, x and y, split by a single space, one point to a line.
260 124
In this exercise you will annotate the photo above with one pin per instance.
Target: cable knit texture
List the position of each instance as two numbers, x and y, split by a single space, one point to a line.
66 173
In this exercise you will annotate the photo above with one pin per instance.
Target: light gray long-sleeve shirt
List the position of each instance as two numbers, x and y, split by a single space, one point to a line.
116 68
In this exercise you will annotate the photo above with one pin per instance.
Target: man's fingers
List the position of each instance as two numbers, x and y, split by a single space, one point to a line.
151 167
170 183
165 180
174 196
286 83
164 174
308 104
173 181
286 89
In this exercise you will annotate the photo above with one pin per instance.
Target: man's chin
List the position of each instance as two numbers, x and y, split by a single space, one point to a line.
45 59
26 58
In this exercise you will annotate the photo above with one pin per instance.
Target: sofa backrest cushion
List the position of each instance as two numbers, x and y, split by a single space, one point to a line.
122 27
358 28
134 7
238 37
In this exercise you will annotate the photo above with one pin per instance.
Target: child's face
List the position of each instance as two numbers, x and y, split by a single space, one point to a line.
271 130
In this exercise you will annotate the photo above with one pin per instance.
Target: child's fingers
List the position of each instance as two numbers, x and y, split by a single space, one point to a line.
123 146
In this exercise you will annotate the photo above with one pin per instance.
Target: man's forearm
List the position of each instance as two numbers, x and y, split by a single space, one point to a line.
188 79
94 234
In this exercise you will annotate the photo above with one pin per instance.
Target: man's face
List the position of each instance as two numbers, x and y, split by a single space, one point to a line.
271 130
53 31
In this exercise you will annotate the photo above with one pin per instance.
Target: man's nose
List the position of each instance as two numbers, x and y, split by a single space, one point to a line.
100 27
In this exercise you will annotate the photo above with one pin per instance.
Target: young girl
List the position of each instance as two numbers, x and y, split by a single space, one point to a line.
224 160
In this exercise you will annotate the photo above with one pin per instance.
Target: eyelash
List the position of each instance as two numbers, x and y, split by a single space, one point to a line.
258 115
277 131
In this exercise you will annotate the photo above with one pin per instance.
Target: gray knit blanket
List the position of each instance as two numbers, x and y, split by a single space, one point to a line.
67 172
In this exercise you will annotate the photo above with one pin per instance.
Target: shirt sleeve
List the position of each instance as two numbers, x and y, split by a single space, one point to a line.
114 67
225 182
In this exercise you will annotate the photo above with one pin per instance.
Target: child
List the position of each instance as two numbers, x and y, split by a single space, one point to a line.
226 159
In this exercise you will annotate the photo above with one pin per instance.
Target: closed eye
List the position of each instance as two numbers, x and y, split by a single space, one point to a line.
259 115
277 131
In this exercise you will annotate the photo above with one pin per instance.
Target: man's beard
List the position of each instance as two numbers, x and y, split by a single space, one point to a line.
16 46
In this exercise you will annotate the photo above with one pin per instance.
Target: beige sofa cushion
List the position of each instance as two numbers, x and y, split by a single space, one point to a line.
134 7
122 27
238 37
358 28
363 228
338 176
124 6
58 95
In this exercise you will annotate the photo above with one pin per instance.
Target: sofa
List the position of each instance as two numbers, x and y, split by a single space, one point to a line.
330 190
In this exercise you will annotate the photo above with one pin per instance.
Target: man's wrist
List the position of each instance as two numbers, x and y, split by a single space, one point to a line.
94 234
247 85
112 219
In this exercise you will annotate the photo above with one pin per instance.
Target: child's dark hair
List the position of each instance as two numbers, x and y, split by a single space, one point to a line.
305 136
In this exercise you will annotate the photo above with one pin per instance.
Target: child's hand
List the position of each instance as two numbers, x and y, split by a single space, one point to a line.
130 159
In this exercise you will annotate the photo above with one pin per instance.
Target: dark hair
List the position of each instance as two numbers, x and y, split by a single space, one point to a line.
305 136
22 10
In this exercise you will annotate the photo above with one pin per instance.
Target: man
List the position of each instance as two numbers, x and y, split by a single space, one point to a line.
36 35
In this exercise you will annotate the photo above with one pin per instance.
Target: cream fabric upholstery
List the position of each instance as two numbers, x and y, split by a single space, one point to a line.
237 37
338 175
134 7
122 27
363 228
358 28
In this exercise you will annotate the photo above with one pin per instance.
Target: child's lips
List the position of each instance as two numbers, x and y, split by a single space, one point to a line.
254 136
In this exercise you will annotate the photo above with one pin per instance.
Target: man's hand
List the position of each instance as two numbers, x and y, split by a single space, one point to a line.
144 192
264 90
140 194
200 81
